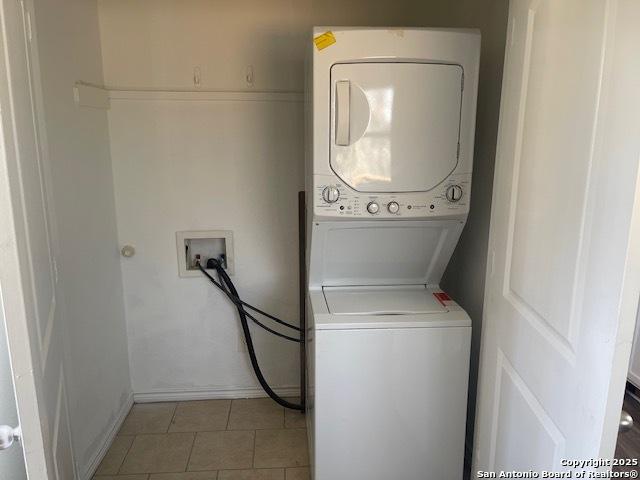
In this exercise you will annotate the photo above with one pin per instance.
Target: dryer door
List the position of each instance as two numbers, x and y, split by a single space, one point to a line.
395 126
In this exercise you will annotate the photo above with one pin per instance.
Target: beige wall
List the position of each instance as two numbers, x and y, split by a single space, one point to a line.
158 43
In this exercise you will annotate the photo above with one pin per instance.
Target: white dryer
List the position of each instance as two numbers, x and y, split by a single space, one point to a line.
391 116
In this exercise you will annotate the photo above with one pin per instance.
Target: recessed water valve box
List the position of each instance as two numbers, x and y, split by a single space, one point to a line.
203 245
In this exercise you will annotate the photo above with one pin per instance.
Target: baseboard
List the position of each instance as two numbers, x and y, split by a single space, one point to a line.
180 395
97 457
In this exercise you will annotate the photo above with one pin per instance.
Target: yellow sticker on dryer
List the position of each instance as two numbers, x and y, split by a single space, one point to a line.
325 40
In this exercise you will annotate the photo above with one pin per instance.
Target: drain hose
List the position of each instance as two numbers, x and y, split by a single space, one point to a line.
228 288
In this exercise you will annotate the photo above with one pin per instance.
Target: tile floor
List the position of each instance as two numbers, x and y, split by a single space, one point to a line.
247 439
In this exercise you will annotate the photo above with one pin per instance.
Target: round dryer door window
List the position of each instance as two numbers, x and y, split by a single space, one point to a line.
395 127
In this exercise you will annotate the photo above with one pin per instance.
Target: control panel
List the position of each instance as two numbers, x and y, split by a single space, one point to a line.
332 198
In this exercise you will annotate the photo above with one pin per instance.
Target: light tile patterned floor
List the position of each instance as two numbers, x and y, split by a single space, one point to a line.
247 439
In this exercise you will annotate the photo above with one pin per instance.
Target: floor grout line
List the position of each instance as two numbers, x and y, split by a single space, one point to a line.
173 416
253 460
229 414
125 455
193 444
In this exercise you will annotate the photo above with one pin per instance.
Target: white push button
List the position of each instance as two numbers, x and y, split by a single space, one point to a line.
373 208
393 207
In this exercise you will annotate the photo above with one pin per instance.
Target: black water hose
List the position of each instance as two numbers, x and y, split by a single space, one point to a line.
238 301
240 305
227 286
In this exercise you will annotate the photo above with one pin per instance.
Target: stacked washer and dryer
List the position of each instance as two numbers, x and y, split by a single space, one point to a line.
391 116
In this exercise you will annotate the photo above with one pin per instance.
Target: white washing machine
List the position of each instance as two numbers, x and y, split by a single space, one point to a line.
391 115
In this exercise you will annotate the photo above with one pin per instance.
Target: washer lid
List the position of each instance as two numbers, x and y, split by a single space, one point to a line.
382 300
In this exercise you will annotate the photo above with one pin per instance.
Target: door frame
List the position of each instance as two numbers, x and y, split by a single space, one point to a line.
624 340
617 81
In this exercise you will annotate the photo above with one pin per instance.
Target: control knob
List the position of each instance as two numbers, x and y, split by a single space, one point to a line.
393 207
330 194
454 193
373 208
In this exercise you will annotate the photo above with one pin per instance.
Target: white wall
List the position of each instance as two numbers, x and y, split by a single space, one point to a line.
186 161
155 44
203 162
96 366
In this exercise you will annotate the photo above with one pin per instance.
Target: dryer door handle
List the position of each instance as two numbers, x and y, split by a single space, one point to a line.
343 104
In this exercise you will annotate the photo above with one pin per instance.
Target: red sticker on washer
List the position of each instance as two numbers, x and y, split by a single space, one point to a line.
442 297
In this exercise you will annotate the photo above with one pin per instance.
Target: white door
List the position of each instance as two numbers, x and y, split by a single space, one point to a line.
28 276
11 457
563 267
